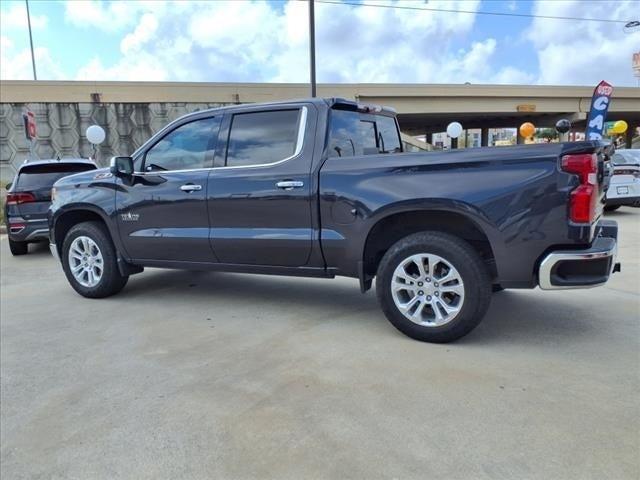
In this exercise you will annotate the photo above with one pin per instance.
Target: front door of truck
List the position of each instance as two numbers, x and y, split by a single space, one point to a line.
260 193
162 210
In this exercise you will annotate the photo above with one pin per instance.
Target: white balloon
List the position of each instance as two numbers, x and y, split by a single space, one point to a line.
454 129
95 134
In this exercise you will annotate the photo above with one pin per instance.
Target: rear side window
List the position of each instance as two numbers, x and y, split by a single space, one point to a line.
354 134
260 138
44 176
388 138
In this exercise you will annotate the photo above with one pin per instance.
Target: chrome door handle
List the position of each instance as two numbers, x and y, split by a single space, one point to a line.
190 187
290 184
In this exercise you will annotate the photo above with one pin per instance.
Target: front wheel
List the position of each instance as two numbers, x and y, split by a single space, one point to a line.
89 261
433 287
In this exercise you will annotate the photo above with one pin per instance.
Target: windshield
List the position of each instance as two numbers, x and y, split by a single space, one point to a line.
626 156
44 176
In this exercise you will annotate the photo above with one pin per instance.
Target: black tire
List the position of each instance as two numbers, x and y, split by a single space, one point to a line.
495 288
18 248
474 275
111 281
611 208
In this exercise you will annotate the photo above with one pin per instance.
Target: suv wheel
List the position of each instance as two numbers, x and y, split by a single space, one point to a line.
433 287
18 248
89 261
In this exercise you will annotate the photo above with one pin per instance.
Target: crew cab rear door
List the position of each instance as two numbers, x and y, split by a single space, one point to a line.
260 193
162 209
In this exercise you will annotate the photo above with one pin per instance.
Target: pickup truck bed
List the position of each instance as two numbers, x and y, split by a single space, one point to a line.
513 198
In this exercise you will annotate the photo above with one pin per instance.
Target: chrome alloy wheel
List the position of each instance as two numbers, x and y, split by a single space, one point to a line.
427 290
85 261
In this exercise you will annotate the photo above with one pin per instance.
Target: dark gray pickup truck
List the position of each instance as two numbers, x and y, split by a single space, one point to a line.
321 188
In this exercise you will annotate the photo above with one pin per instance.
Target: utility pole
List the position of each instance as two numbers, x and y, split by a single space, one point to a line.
33 58
312 47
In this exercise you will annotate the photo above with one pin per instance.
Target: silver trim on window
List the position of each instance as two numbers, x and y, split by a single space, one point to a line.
302 128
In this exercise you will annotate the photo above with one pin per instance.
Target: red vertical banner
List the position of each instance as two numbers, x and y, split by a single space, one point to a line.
30 131
29 124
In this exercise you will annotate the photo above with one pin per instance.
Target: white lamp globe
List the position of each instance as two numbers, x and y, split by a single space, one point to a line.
454 129
95 134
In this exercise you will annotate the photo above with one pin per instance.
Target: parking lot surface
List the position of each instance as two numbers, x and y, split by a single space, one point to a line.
216 375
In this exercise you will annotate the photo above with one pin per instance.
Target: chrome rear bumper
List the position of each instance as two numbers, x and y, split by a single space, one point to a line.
591 267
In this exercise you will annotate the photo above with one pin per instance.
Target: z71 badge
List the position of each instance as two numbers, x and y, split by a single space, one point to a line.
130 217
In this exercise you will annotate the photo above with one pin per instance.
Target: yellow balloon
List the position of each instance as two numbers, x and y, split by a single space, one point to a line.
527 129
620 127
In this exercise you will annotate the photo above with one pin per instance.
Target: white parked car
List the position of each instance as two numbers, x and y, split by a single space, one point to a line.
624 188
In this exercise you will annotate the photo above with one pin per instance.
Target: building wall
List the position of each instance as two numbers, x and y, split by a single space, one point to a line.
61 129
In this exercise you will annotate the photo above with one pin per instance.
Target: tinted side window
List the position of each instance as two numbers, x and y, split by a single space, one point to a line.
44 176
353 134
188 147
259 138
388 138
349 136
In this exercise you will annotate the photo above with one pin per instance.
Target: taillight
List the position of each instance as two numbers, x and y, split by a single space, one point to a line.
584 199
20 197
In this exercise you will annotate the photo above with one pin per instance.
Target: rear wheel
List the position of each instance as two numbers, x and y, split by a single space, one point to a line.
611 208
18 248
433 287
89 261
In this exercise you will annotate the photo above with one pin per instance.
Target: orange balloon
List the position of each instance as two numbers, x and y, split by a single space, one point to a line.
527 129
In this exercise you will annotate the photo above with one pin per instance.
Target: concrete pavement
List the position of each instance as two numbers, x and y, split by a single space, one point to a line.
215 375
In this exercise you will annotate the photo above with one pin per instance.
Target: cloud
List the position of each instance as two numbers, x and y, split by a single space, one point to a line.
583 53
108 16
263 41
143 33
16 64
15 18
142 67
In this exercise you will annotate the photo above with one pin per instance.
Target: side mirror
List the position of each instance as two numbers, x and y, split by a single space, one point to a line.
8 185
121 166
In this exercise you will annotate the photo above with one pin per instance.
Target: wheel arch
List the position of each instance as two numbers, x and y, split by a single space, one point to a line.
396 225
66 219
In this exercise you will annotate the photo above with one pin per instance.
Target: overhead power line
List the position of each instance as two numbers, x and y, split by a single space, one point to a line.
450 10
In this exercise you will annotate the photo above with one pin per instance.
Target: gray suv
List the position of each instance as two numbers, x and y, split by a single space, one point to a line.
29 197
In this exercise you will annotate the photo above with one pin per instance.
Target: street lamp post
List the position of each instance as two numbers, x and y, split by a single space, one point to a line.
312 47
33 58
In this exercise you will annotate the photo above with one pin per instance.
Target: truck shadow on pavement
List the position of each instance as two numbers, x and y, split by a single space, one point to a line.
526 317
523 317
269 291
